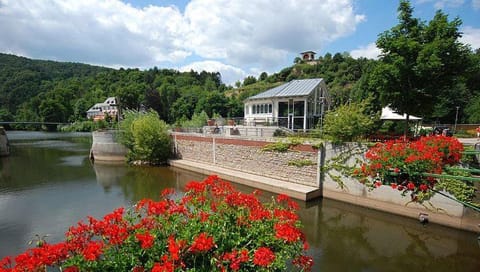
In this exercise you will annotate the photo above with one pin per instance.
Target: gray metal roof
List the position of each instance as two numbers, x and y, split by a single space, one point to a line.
298 87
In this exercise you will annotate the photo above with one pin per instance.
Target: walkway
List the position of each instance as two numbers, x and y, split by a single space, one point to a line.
297 191
469 141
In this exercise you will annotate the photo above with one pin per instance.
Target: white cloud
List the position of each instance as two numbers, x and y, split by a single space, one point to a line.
229 73
103 32
441 4
264 32
261 34
370 52
476 4
471 36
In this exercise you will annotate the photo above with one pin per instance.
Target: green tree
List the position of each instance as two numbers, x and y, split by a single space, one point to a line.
146 137
212 102
473 110
263 76
419 62
349 122
249 80
5 116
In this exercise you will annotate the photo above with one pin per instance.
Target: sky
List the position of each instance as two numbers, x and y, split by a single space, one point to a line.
237 38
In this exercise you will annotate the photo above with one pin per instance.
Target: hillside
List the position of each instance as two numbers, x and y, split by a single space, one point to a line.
22 78
38 90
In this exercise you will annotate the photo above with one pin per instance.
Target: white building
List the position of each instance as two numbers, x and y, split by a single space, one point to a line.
99 110
298 104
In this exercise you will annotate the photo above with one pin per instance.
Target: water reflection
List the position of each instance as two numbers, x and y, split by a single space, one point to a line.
348 238
137 183
45 188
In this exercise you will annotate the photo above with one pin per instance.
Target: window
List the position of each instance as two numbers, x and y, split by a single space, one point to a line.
262 108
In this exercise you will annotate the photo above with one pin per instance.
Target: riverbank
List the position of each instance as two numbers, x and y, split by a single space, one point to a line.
307 193
245 161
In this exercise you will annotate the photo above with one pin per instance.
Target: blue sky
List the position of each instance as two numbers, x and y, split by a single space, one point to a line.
235 37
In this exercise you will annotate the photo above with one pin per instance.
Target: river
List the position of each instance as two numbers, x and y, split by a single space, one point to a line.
48 184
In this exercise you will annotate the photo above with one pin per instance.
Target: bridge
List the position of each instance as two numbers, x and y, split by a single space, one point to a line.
32 123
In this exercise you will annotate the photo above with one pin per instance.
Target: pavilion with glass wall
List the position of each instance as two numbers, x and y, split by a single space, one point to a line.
297 105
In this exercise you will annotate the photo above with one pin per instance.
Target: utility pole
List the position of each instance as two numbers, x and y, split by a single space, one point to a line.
456 119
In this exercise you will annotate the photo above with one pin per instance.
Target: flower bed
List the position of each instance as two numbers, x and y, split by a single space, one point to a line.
212 227
417 168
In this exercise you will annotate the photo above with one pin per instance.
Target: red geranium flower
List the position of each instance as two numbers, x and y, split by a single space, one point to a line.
263 256
146 240
202 243
287 232
92 251
174 248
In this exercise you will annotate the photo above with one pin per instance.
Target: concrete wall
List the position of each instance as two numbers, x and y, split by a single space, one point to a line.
4 148
105 147
246 155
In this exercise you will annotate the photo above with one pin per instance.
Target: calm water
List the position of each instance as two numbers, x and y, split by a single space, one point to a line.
48 184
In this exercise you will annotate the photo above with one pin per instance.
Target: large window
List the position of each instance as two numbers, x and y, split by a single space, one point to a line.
262 108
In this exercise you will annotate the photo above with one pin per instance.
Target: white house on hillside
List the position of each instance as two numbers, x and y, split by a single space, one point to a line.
298 104
99 110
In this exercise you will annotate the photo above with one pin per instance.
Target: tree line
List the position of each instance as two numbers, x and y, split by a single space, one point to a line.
423 70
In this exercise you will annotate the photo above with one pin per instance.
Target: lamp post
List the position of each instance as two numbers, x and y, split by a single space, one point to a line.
456 119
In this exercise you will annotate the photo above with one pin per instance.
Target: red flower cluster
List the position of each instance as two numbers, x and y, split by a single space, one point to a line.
404 165
206 229
263 256
145 239
202 243
236 258
287 232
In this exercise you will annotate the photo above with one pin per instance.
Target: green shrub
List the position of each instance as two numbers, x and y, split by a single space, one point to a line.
146 137
282 146
197 121
348 122
301 163
279 133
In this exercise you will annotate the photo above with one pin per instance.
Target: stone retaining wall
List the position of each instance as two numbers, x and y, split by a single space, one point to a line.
247 155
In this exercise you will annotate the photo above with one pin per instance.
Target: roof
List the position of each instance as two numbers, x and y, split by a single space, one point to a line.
389 114
299 87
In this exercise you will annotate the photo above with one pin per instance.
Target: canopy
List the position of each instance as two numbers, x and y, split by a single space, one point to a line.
389 114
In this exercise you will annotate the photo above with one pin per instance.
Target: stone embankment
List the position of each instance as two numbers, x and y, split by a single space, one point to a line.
4 146
244 161
304 172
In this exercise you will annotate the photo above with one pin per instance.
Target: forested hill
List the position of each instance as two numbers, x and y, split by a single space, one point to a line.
22 78
49 91
36 90
46 69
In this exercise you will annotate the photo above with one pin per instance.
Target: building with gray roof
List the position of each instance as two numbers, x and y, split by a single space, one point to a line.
297 105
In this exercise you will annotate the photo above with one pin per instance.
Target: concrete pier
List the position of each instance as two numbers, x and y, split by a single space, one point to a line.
106 149
4 147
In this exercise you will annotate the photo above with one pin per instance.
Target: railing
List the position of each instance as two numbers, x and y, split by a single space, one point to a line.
32 123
